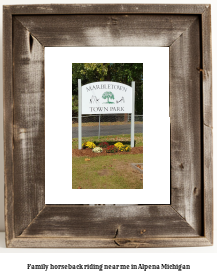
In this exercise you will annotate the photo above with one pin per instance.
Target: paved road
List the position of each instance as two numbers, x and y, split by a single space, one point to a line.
106 130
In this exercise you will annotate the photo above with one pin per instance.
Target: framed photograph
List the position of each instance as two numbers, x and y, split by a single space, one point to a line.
114 172
38 142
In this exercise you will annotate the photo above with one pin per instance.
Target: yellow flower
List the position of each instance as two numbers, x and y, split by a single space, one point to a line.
119 145
89 145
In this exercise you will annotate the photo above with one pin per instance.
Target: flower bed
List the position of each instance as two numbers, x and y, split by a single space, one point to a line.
89 153
117 147
113 142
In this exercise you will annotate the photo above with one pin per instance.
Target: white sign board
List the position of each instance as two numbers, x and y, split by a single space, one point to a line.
106 98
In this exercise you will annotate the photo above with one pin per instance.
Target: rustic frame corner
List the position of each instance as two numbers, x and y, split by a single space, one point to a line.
186 30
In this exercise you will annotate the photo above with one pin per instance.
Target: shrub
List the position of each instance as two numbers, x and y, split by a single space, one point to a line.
112 149
97 150
103 144
88 145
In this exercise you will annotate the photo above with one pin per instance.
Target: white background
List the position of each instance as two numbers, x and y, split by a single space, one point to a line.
202 259
58 125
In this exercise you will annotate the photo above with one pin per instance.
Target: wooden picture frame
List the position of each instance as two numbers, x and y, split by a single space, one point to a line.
186 30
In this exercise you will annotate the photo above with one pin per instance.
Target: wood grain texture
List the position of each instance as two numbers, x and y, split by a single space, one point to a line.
186 133
107 30
8 126
208 182
29 131
107 9
109 222
186 30
69 242
207 123
207 67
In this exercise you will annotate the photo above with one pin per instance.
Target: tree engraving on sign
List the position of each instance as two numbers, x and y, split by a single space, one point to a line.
108 95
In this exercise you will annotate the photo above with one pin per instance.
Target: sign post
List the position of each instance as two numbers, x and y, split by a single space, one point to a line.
79 115
99 127
105 97
133 114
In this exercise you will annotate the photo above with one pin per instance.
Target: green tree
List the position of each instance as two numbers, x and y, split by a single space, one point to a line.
74 106
108 95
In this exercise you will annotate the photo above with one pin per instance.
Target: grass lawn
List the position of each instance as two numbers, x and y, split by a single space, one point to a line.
138 137
107 172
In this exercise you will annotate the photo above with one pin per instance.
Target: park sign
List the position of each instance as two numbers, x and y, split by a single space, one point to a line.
106 98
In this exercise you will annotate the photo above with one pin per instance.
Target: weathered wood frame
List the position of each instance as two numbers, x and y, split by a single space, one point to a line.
186 30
